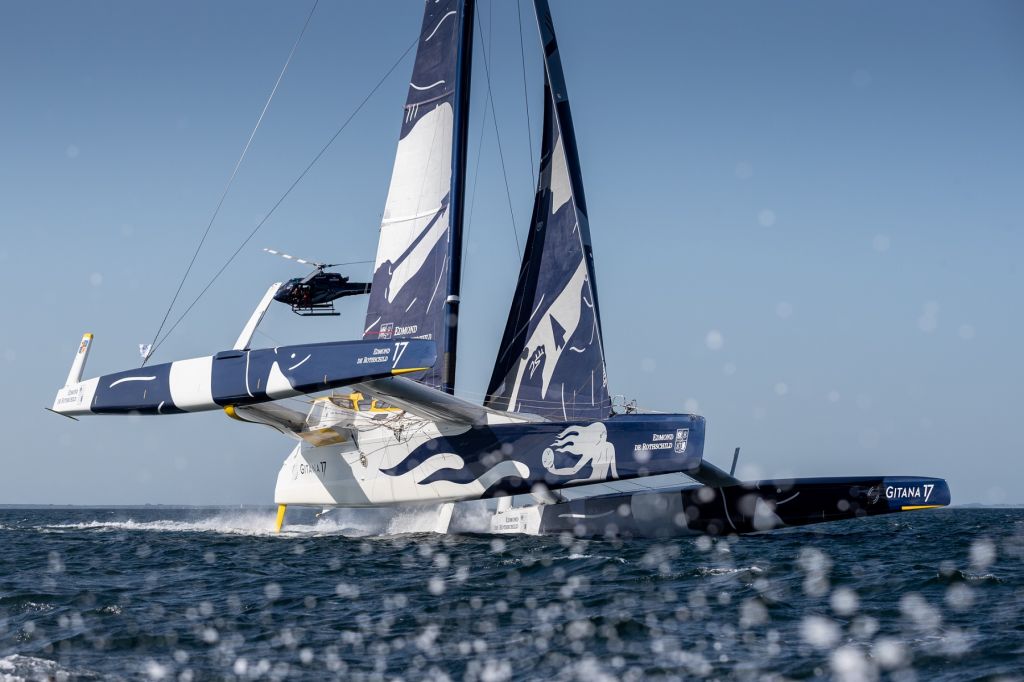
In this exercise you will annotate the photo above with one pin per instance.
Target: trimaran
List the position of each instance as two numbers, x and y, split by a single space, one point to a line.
398 435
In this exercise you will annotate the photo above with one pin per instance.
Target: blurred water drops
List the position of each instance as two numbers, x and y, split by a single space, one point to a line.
982 554
648 365
844 601
784 310
890 653
781 388
766 217
918 611
833 396
880 243
744 170
691 406
816 566
729 369
95 279
960 597
72 151
714 340
850 664
753 613
819 632
966 332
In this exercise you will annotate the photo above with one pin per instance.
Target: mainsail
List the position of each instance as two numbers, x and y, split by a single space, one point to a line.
416 275
551 358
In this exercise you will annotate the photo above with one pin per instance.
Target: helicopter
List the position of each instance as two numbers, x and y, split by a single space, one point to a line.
314 294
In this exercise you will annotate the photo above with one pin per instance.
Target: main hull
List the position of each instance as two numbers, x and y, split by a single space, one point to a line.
748 507
386 459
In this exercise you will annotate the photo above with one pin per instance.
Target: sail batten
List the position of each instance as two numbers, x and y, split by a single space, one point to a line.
416 272
551 359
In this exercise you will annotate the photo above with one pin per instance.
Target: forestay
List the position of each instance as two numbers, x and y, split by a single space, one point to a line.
551 359
415 281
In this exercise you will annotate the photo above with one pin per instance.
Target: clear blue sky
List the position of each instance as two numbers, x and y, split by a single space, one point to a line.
807 220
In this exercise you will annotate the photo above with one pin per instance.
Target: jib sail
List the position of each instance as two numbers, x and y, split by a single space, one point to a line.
551 359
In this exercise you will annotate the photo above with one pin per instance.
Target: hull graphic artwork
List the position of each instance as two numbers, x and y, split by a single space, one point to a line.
378 467
546 436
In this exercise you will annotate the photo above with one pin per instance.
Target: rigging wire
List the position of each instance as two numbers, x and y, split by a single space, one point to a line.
291 187
231 180
497 135
476 170
526 94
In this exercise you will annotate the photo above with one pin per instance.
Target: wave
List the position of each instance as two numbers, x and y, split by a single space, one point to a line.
752 570
341 522
16 668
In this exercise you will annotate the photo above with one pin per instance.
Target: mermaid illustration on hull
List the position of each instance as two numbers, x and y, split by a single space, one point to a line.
590 444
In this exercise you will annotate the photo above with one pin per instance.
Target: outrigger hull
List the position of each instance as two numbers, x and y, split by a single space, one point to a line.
747 507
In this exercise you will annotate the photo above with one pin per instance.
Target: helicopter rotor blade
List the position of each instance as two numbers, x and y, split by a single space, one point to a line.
315 264
296 259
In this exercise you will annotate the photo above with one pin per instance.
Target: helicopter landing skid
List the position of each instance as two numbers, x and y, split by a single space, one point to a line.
316 310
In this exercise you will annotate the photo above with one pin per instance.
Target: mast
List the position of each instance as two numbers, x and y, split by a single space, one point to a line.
464 79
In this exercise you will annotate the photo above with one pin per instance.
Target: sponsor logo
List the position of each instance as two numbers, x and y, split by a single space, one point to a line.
659 441
85 344
682 435
409 329
379 355
386 330
895 492
305 468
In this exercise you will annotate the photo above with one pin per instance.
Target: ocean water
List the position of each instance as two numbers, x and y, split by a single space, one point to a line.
192 594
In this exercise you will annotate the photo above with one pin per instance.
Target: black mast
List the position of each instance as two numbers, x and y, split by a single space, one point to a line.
460 136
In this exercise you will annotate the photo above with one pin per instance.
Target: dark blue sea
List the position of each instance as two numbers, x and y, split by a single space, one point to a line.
196 594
